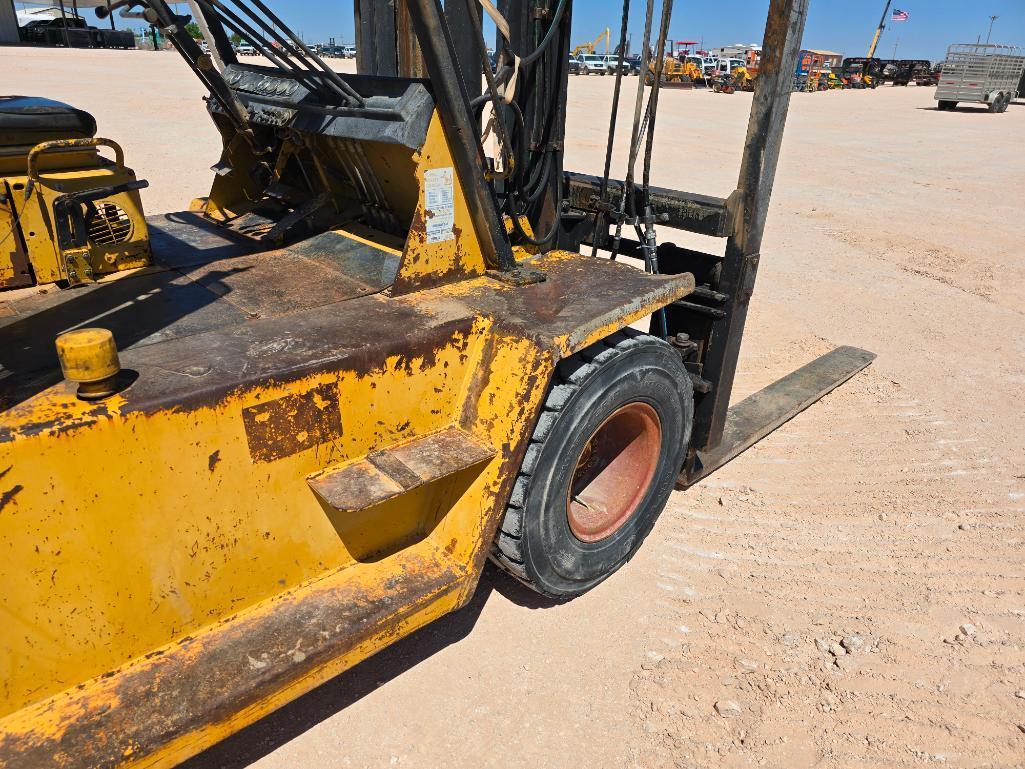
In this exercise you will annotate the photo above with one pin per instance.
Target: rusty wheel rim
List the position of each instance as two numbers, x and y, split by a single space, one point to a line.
614 472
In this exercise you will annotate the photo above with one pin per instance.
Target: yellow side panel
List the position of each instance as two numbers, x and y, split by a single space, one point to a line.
119 537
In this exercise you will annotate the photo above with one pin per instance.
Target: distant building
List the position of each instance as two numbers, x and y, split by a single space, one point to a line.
735 51
822 59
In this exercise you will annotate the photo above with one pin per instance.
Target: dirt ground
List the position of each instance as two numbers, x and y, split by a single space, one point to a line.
851 592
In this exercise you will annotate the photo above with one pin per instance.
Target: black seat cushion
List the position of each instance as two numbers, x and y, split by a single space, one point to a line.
31 119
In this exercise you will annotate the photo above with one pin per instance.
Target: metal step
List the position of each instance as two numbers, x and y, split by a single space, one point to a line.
399 469
758 415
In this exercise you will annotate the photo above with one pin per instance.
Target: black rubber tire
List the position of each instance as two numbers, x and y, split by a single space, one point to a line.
948 106
535 543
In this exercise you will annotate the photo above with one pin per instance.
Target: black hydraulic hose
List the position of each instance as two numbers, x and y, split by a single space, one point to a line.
626 201
537 189
519 153
635 138
616 97
600 219
556 19
501 78
541 170
647 236
535 176
518 149
489 76
667 12
543 241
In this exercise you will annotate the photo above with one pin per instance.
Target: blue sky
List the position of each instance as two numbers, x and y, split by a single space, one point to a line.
836 25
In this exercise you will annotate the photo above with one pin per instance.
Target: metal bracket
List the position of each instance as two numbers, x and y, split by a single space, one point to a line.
748 273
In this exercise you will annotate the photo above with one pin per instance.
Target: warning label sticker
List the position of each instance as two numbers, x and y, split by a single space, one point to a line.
439 204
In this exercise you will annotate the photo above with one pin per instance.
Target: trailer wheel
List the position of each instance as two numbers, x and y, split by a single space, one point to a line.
994 105
947 105
1004 103
605 454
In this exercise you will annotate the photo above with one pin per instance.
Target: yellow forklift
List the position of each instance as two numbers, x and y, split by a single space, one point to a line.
369 360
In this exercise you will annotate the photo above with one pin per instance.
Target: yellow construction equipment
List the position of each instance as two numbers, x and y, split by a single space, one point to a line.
592 47
744 79
67 214
675 72
879 31
368 361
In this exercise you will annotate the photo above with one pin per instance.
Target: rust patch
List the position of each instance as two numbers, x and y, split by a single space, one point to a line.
286 426
213 460
8 496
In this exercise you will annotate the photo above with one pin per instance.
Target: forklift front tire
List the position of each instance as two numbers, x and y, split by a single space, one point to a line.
600 466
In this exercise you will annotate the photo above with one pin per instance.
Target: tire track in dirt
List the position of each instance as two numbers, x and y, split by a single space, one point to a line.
868 518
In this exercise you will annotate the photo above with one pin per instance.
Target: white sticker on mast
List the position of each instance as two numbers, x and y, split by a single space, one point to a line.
439 204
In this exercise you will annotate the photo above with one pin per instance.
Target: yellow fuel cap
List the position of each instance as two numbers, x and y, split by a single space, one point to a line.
88 356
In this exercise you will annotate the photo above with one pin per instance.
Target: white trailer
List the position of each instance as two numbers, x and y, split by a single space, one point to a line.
981 74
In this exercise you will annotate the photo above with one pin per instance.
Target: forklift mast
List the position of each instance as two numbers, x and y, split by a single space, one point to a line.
707 326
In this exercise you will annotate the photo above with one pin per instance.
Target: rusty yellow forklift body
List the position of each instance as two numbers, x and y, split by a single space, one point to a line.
324 394
259 507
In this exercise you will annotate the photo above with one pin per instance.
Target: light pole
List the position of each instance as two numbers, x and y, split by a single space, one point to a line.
991 20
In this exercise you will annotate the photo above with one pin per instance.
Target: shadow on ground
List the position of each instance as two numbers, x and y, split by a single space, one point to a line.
285 724
972 107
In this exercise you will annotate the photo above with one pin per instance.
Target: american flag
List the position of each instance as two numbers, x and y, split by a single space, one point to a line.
899 15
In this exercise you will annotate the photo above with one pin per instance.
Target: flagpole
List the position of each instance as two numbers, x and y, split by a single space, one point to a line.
895 46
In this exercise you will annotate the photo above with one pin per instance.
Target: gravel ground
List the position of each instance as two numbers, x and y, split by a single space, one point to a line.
850 592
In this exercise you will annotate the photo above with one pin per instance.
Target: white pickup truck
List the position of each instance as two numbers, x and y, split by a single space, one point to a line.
592 64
